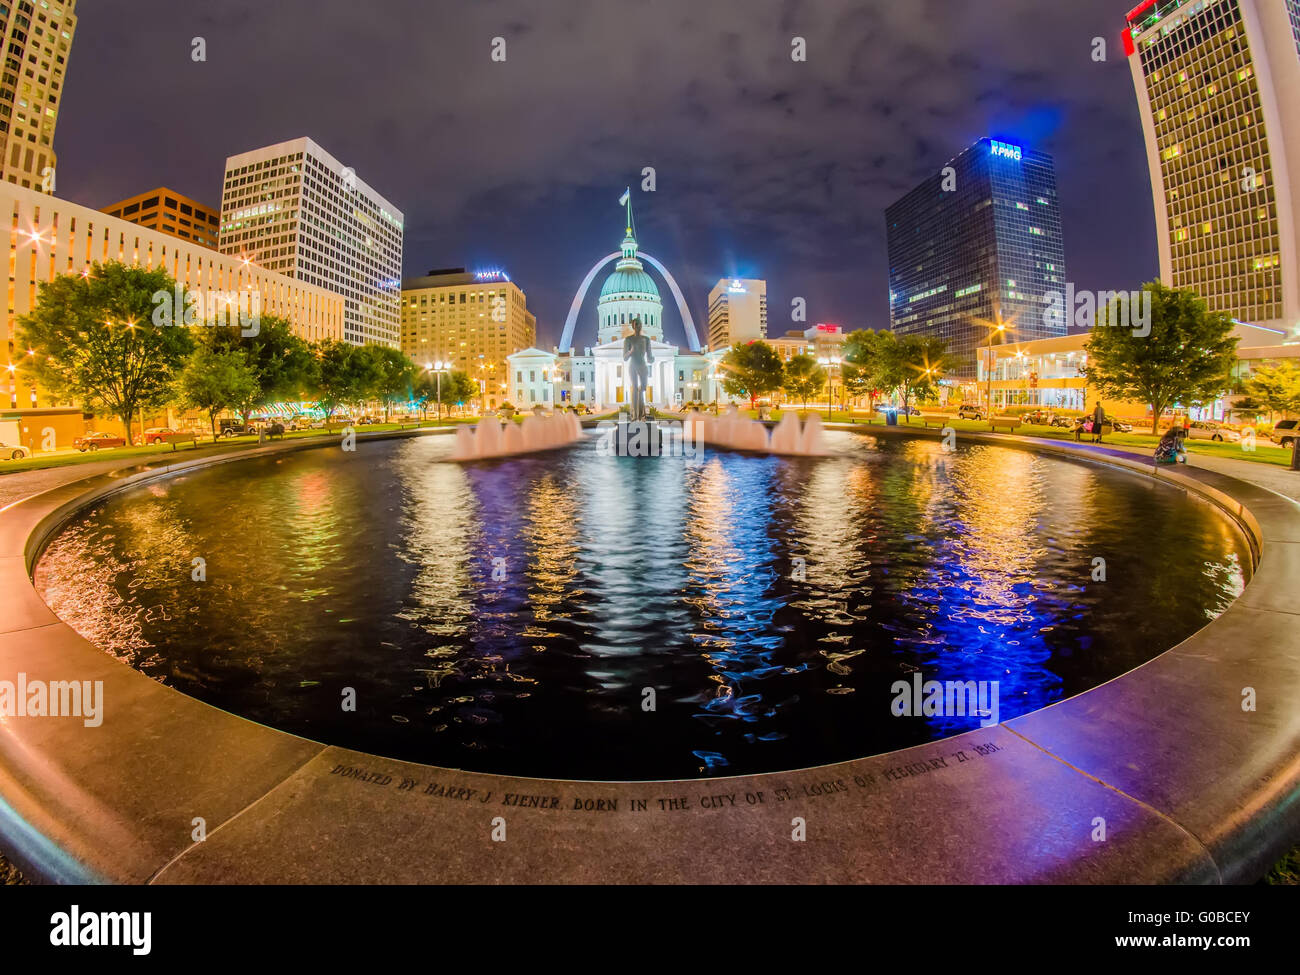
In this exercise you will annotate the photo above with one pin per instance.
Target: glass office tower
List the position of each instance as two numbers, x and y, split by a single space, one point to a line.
976 245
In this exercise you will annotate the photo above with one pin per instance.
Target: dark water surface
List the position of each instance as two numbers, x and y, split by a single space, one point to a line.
374 570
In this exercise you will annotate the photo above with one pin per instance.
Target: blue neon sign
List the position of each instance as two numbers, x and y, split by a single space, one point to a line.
1006 151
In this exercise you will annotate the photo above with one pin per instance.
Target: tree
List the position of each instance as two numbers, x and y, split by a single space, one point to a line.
752 369
1187 357
392 375
92 339
1276 388
912 364
281 362
862 364
216 382
455 387
803 378
343 375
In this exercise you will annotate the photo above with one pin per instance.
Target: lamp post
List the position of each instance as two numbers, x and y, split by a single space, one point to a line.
988 376
830 362
715 377
437 368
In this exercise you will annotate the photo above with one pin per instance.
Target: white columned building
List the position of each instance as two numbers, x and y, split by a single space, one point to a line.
596 377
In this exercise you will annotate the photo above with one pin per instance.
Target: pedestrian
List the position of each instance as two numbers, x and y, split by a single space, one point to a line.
1098 418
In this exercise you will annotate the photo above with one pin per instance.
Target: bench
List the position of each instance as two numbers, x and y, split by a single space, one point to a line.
179 438
1010 422
938 419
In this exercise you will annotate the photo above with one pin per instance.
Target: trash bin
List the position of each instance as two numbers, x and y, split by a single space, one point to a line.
891 418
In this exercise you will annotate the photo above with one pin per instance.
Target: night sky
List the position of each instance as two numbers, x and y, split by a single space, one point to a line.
765 167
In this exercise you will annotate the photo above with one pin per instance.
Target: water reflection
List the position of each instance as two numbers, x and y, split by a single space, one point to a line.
572 615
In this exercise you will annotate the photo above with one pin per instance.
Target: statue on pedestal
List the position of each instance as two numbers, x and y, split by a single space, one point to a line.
638 355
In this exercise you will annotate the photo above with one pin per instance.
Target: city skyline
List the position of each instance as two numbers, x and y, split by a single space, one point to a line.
879 103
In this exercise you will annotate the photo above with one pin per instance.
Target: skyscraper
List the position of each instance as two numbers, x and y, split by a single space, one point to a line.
37 38
1217 84
975 245
295 209
737 312
471 320
172 213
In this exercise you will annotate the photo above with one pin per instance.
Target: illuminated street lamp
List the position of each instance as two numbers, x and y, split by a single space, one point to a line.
438 368
830 362
988 376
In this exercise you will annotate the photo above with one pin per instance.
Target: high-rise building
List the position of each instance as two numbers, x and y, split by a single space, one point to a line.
50 237
37 38
977 245
294 208
1217 84
737 312
171 213
472 320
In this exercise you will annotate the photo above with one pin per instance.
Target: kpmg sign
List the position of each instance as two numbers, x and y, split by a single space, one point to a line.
1006 151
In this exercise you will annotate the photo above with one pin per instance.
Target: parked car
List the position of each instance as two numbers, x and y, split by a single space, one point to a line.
367 419
1121 426
968 411
158 434
1209 430
901 410
12 453
94 441
1040 418
1285 432
233 426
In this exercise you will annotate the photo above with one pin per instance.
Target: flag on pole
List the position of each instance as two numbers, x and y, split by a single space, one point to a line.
627 195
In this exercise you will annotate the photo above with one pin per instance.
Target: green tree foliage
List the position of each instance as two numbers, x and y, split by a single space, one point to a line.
281 362
1187 358
1276 387
93 341
913 366
803 379
344 374
392 375
454 388
862 363
752 369
216 381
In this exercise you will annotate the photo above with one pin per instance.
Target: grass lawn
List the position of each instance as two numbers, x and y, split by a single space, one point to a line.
66 459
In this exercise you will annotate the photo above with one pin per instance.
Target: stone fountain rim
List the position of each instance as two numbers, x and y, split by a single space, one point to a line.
110 827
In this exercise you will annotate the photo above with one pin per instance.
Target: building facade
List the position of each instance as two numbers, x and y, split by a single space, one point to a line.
1051 373
470 320
976 245
37 38
597 377
171 213
1217 84
295 209
737 312
822 341
49 237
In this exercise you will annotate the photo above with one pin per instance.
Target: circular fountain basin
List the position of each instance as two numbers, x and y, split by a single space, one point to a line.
572 615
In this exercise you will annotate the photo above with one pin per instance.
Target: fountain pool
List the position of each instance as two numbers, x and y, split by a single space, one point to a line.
570 614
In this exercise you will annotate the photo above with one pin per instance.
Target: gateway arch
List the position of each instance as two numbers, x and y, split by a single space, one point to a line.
566 340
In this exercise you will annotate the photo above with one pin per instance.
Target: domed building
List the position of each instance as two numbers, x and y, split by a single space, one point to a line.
629 293
596 377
